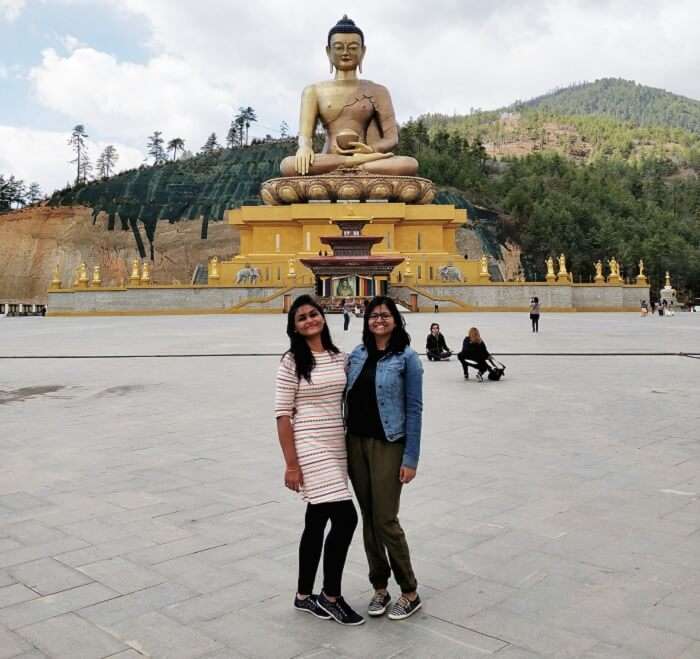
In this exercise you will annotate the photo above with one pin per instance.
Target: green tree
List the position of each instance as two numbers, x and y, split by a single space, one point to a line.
233 136
34 193
107 161
245 117
155 149
175 145
210 145
81 160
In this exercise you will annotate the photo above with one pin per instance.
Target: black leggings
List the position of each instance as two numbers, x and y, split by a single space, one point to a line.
481 365
535 318
343 522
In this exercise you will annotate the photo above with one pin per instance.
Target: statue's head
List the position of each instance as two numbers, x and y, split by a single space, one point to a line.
346 45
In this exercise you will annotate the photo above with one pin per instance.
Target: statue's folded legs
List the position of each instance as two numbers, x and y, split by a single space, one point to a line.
324 163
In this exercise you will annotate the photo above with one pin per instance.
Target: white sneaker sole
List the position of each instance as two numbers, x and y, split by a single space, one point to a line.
313 613
392 616
378 612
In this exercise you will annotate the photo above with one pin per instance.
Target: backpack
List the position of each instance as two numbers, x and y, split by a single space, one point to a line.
497 373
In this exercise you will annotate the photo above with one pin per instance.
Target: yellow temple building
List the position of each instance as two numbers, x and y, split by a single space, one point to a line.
424 235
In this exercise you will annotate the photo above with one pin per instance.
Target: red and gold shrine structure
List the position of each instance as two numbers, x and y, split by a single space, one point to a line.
351 270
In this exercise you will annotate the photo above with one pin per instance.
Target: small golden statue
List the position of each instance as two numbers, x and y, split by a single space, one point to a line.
83 279
407 270
96 277
562 265
484 265
357 116
214 270
614 270
56 279
549 262
484 268
599 277
146 274
291 270
135 275
641 277
562 275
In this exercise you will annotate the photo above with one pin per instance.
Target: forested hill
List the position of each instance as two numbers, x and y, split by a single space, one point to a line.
623 100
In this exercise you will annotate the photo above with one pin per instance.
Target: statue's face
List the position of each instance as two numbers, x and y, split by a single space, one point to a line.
346 51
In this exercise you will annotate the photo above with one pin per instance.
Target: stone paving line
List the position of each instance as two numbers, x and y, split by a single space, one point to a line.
555 514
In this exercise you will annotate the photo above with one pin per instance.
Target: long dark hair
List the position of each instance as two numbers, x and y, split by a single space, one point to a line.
399 338
298 347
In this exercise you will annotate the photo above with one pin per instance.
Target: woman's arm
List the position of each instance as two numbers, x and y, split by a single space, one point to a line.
293 478
413 387
286 389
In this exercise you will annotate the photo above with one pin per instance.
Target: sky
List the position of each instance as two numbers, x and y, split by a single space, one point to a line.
125 68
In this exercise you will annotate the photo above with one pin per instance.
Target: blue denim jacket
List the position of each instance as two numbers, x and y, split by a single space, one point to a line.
399 385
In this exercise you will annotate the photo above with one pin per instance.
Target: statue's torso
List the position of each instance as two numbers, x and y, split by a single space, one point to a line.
347 105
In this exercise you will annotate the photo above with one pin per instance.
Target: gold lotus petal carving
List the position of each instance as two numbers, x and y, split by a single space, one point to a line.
347 185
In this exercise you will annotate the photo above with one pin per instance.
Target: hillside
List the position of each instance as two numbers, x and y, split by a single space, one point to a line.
609 118
623 100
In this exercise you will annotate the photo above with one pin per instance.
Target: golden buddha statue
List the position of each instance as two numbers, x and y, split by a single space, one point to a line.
357 116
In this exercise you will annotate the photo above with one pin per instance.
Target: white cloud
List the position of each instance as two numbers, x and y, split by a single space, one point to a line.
11 9
43 156
128 101
451 56
210 57
71 43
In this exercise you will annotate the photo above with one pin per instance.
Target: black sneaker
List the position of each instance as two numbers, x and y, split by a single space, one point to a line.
310 605
340 611
403 608
378 604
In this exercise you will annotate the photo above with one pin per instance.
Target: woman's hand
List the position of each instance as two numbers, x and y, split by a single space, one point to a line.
406 475
293 478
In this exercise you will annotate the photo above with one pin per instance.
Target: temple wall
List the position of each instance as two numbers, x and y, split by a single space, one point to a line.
499 296
162 300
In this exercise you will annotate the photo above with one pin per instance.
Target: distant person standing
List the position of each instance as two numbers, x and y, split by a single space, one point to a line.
535 314
346 315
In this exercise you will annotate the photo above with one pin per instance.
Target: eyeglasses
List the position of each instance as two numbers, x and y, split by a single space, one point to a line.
377 316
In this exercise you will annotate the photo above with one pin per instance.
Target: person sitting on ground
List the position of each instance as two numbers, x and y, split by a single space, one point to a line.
435 345
475 354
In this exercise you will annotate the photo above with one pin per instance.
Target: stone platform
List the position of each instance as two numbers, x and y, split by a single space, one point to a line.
142 513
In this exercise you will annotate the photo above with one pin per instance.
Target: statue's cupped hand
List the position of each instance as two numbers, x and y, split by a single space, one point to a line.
357 147
304 159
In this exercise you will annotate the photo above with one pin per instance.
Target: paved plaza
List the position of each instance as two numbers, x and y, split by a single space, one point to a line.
142 509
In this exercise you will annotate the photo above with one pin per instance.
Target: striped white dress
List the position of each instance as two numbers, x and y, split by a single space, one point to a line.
317 417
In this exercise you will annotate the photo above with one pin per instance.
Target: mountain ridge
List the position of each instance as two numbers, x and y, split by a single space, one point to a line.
621 99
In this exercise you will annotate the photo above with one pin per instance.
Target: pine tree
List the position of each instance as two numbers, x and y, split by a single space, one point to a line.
284 130
106 162
155 148
175 145
232 137
77 142
34 193
85 170
210 145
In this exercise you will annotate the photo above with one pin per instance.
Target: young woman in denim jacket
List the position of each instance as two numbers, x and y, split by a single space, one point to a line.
384 405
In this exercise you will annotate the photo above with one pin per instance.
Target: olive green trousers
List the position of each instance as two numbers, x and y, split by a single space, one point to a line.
374 471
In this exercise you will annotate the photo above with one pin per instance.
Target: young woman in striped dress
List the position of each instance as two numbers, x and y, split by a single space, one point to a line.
308 407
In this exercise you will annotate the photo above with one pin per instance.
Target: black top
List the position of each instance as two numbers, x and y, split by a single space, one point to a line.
475 351
363 412
436 343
